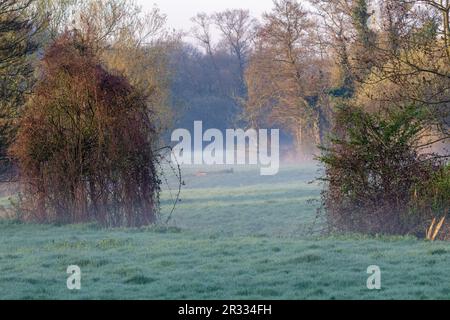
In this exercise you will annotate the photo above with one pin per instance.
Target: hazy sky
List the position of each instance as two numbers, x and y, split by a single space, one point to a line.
180 12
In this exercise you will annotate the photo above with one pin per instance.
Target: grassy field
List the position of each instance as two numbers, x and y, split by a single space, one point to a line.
233 236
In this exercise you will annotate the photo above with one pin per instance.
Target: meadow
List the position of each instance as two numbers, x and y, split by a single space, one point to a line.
232 236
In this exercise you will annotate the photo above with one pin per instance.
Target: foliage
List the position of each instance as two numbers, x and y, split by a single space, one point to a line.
380 171
128 39
17 43
134 43
372 168
85 144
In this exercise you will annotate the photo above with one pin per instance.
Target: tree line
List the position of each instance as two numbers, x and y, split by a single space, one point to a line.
368 81
364 84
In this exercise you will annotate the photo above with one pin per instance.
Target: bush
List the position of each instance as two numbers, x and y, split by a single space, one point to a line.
85 144
373 169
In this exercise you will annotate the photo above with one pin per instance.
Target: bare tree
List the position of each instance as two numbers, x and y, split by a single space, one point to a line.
284 78
202 31
133 43
238 30
337 27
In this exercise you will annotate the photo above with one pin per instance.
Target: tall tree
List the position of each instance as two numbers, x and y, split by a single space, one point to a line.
285 78
335 24
238 30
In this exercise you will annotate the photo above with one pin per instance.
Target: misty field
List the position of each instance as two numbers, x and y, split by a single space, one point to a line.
233 236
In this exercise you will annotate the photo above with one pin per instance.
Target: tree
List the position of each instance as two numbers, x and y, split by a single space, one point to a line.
141 51
443 7
395 16
397 59
129 41
415 67
202 90
17 30
86 142
285 78
238 30
347 24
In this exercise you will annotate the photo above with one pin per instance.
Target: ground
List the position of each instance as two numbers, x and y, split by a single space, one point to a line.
233 236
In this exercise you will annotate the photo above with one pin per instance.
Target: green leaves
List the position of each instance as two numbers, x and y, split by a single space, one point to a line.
372 165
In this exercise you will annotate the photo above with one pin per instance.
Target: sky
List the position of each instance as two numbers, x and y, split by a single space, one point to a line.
180 12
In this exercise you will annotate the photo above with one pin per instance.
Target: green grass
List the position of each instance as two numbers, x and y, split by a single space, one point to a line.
236 236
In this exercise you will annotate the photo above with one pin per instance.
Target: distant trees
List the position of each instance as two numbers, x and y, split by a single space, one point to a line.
287 77
396 49
130 41
58 15
210 85
299 64
86 143
203 88
237 29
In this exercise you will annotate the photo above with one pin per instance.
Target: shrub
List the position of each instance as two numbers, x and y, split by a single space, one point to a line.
372 169
85 144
